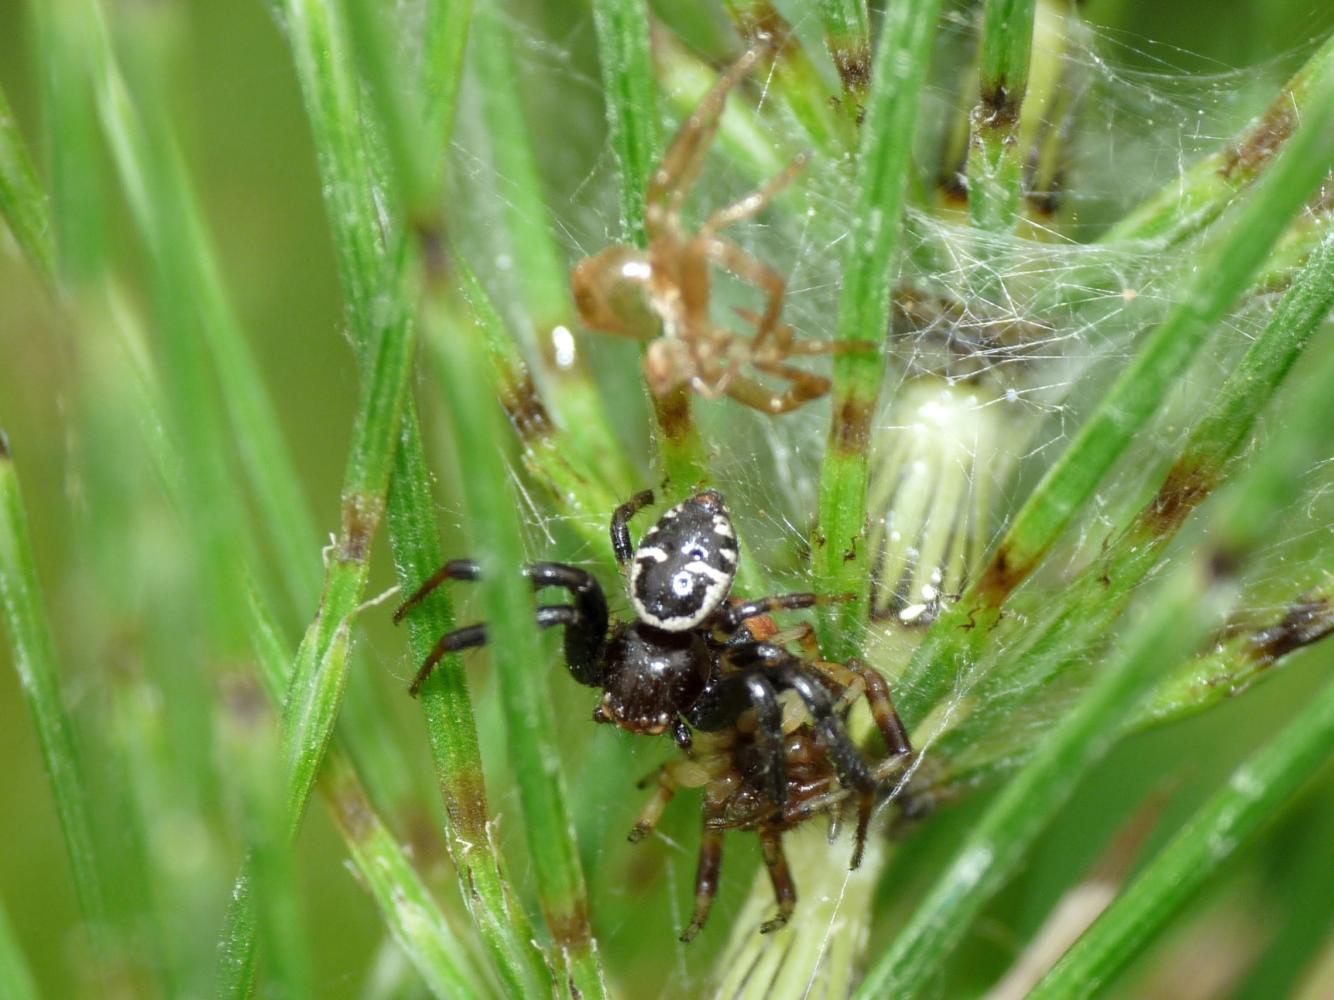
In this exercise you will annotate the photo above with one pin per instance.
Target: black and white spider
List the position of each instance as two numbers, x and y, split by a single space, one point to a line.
692 662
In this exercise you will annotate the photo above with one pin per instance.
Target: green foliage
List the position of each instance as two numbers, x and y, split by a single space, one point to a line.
186 416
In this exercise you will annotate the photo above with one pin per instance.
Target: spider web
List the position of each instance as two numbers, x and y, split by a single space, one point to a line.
1004 347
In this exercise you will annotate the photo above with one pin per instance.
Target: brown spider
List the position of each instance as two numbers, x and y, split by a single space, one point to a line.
666 288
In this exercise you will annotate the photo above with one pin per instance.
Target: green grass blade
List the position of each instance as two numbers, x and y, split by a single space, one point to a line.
34 649
74 162
22 200
507 599
167 214
792 76
1189 203
882 179
634 127
545 285
1127 407
250 739
406 906
503 924
847 35
995 159
1256 791
631 93
1095 601
16 981
1179 613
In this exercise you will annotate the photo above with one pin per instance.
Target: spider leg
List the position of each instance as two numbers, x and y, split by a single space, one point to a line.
786 671
881 703
723 701
754 203
734 615
585 621
706 879
472 636
785 891
621 542
654 807
786 341
455 569
753 270
680 165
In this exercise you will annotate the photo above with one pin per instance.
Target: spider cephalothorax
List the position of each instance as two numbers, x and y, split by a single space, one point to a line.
692 661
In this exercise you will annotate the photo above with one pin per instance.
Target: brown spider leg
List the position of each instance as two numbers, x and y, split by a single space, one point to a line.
878 699
859 680
734 615
754 271
654 807
743 264
706 879
785 891
681 164
804 388
786 341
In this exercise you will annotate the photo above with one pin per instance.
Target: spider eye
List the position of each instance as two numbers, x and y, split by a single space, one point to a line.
697 554
682 584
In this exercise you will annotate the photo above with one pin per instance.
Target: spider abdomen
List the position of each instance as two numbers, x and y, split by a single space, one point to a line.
656 675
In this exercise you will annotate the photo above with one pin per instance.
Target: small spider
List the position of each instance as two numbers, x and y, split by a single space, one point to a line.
692 661
637 293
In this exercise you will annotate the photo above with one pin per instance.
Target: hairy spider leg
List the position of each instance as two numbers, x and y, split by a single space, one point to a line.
706 879
585 621
743 264
785 891
733 616
681 164
720 704
788 672
621 543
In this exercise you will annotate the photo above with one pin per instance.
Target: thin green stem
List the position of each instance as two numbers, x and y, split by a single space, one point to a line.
1192 201
34 649
955 641
837 555
409 911
22 200
792 76
1098 597
631 94
545 283
78 197
250 738
847 35
1256 791
451 728
16 981
507 599
995 160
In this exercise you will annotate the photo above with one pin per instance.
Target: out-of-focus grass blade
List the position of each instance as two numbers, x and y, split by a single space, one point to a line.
34 649
16 981
1254 793
22 200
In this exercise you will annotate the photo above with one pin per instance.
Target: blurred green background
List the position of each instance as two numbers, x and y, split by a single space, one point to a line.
239 114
